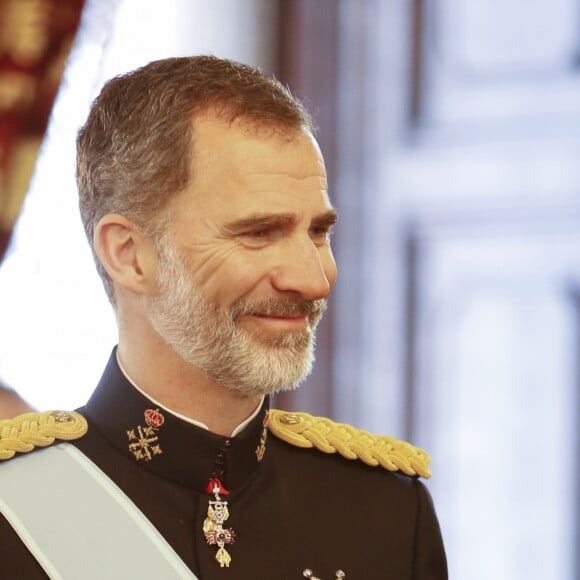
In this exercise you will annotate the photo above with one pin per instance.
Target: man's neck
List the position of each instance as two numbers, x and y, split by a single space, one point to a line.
183 389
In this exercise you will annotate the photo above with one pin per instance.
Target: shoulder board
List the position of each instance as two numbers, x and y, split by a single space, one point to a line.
25 432
307 431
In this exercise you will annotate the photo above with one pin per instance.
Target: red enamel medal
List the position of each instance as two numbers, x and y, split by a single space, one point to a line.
217 514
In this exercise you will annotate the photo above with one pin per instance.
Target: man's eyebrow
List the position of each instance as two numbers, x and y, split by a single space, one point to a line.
278 220
260 220
327 219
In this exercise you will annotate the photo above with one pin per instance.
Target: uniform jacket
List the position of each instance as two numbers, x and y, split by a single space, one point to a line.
294 510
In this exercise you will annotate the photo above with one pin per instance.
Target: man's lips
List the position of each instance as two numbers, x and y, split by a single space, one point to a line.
280 315
282 322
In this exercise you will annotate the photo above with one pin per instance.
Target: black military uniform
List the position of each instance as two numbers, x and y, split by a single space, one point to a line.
296 509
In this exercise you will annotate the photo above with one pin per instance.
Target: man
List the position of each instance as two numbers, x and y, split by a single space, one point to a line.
204 197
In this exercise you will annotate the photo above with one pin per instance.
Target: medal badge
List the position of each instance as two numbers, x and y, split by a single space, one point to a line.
213 530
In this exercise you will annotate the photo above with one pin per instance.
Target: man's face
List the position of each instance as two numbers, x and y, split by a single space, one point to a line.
245 265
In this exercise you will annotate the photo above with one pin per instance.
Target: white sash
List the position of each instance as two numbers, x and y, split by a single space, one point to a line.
78 524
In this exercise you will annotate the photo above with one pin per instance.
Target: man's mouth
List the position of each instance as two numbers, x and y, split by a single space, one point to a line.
282 322
282 309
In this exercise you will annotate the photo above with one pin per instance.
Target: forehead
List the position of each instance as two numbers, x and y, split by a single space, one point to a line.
236 166
254 147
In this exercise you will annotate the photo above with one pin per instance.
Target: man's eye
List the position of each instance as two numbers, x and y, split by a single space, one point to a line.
262 233
257 236
321 233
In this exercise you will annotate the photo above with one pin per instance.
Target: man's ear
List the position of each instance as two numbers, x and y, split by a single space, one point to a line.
126 254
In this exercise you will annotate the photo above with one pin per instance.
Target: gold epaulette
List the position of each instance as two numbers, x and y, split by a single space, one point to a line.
25 432
304 430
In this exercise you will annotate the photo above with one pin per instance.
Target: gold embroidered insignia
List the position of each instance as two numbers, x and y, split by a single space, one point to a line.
143 441
25 432
261 449
307 431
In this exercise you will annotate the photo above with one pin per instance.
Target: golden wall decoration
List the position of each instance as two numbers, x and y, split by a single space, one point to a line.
35 40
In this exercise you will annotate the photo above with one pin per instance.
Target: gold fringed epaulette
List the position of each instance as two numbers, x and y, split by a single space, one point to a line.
25 432
304 430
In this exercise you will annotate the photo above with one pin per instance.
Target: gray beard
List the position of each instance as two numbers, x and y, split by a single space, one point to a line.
213 341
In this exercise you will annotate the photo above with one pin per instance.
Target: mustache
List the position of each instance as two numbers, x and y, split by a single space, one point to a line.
279 307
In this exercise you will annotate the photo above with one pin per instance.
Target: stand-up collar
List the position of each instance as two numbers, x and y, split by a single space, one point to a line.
170 447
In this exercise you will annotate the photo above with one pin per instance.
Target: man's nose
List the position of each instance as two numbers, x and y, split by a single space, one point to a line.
305 269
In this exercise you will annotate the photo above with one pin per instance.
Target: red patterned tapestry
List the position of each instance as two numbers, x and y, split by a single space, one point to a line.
35 41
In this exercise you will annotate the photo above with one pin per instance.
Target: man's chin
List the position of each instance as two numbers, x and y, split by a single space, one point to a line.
297 340
268 369
269 387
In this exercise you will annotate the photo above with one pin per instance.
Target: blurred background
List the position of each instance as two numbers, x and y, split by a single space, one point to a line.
451 131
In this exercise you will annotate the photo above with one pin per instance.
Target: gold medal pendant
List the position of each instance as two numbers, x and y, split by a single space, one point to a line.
213 530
